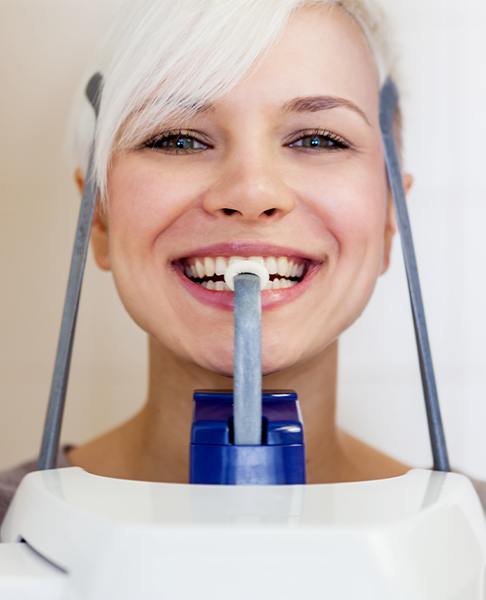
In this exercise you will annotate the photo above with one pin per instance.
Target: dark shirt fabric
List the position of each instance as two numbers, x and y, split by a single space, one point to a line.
10 480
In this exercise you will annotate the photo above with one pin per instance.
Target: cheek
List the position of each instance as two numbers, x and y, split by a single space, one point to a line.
145 205
144 201
141 206
359 221
351 203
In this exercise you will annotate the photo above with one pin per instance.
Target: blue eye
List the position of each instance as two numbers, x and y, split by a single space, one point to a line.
176 142
324 140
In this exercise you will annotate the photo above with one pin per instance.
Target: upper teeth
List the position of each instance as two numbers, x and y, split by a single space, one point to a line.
288 269
209 266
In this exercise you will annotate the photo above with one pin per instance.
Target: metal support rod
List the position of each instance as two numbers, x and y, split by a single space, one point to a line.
389 105
247 360
57 397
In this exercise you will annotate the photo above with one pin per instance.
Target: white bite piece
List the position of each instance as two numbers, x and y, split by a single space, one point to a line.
246 266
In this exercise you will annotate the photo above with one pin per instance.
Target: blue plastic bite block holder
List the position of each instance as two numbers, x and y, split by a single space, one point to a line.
215 459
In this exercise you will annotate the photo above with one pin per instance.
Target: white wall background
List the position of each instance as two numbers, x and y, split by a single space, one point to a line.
45 46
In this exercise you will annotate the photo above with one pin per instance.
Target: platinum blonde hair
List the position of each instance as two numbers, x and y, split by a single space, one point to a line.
164 59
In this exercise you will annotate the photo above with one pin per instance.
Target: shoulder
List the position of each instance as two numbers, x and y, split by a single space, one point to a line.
364 463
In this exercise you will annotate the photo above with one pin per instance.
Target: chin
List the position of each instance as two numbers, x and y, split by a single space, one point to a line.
272 365
217 360
220 361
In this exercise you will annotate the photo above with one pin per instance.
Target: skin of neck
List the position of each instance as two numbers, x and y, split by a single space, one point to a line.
167 414
154 444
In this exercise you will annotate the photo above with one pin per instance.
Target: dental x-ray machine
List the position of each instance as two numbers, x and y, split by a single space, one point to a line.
70 535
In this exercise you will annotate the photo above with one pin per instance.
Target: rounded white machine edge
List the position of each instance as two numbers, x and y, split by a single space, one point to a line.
421 536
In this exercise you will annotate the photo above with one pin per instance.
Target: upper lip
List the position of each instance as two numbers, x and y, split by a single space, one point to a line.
247 248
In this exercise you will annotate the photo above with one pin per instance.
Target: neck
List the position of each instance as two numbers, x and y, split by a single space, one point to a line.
154 445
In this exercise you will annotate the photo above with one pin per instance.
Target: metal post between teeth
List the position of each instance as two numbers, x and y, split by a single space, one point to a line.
247 399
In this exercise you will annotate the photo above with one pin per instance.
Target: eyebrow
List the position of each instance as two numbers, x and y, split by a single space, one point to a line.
306 104
318 103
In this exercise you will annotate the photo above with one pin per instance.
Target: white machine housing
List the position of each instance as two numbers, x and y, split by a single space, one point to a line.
421 536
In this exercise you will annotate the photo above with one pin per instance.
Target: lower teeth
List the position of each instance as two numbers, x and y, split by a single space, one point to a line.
220 286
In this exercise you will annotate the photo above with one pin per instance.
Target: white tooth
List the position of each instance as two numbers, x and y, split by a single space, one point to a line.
187 270
211 285
234 259
220 265
282 264
277 284
193 270
271 264
199 267
289 268
293 270
268 286
257 259
292 283
300 270
219 286
209 266
205 284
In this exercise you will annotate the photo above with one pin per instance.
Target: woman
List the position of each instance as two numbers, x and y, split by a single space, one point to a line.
240 129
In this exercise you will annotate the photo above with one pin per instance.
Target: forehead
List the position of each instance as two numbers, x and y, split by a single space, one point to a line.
321 51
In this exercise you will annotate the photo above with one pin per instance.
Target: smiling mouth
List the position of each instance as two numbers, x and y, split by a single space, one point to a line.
208 271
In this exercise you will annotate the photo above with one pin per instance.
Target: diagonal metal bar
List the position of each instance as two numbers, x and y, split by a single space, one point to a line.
57 397
388 106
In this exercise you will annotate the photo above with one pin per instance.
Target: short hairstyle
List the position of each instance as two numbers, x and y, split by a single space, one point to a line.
165 59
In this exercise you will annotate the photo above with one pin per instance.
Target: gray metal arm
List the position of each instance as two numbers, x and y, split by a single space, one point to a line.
247 361
57 397
389 105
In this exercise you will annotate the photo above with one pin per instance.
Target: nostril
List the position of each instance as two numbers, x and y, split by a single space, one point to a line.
269 212
229 211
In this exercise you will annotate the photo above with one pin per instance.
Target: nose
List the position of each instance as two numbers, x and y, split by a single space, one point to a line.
250 192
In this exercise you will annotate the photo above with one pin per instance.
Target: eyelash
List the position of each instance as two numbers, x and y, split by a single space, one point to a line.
339 142
175 134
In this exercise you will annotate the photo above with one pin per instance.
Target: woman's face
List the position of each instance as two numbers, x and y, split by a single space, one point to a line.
289 165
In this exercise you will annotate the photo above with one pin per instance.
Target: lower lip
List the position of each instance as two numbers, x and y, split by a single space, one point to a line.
271 299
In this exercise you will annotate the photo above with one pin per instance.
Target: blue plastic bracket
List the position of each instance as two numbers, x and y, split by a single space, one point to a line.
215 459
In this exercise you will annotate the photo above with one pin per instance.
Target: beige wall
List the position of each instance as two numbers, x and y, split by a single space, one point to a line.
45 45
